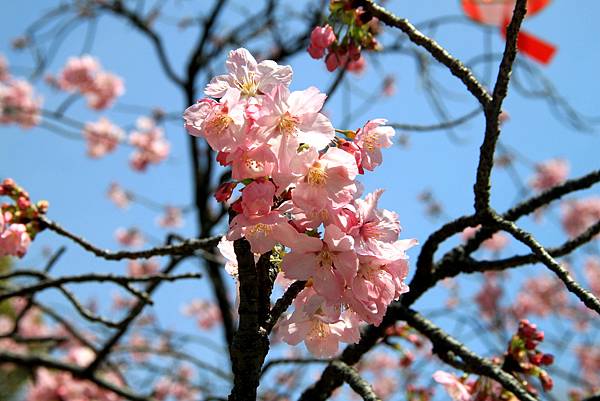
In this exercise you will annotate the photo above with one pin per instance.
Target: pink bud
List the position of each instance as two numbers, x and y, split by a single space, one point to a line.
224 191
222 158
547 359
322 36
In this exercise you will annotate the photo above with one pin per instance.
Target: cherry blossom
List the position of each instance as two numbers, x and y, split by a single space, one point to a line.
321 38
247 76
19 104
131 237
102 137
4 73
14 239
79 73
207 314
299 199
137 268
549 174
151 146
579 215
119 196
455 388
172 217
495 243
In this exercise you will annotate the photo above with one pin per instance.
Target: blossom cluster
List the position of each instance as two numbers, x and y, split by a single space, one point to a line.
19 220
18 102
54 386
301 199
348 31
150 145
579 215
85 75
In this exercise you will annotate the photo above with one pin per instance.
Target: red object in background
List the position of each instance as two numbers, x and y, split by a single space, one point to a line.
498 13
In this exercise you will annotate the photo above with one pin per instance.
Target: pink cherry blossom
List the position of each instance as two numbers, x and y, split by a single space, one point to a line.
172 217
220 123
455 388
4 74
56 385
248 76
102 137
331 263
375 230
256 162
137 268
257 198
488 297
119 196
550 174
389 85
357 66
79 73
131 237
321 38
224 191
329 181
14 240
318 325
19 104
377 284
294 118
541 295
495 243
370 139
105 88
207 314
263 232
592 273
151 146
579 215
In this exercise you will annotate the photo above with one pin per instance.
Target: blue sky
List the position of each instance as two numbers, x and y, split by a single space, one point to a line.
54 168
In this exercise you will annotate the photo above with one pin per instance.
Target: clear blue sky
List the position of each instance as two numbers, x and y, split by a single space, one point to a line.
56 169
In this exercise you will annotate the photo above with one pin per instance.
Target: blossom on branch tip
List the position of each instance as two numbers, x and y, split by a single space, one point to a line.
247 76
102 137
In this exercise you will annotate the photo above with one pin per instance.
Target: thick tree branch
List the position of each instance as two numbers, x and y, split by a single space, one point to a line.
357 383
492 111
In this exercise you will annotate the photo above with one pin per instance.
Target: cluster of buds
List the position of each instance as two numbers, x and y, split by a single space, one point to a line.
349 30
19 222
523 356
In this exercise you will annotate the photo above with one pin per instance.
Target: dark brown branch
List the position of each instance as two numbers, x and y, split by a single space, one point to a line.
117 8
357 383
251 341
187 247
440 126
492 111
471 266
49 282
124 325
283 303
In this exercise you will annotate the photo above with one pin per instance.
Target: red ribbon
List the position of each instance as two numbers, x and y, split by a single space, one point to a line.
498 12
